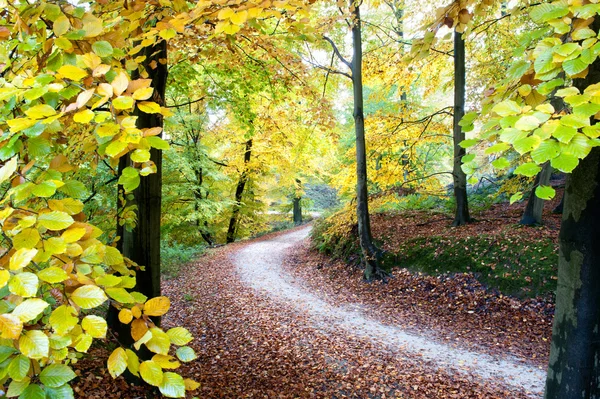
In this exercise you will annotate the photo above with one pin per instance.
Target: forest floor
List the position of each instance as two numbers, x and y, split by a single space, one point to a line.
274 319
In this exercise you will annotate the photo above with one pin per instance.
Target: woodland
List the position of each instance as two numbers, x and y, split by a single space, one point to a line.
152 151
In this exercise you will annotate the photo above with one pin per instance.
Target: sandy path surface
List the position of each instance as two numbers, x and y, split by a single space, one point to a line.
259 265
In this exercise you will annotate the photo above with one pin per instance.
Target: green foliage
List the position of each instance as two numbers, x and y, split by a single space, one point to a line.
174 256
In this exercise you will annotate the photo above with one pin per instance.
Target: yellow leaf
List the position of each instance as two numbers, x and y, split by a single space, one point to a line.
138 329
8 169
136 312
30 309
157 306
72 72
120 83
95 326
53 275
88 296
225 13
4 277
84 116
133 362
151 373
117 362
172 386
123 102
84 97
92 25
63 320
73 234
22 258
24 284
108 130
83 342
68 205
160 342
40 111
239 17
149 107
143 93
125 316
28 238
101 70
10 326
105 90
18 124
166 361
61 25
191 385
34 344
231 29
55 220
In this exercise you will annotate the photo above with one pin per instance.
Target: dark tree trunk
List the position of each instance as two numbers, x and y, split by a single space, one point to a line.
559 208
371 253
535 205
202 227
142 244
239 192
460 178
297 204
574 368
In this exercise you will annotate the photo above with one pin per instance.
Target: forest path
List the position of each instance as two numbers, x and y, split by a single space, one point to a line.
259 265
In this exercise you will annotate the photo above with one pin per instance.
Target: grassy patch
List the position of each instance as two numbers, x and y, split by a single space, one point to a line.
174 255
514 266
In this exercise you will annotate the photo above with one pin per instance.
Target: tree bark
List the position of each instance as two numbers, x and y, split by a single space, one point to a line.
574 368
239 192
535 205
460 178
371 253
202 227
142 243
297 204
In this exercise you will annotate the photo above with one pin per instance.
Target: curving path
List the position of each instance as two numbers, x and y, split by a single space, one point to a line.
259 265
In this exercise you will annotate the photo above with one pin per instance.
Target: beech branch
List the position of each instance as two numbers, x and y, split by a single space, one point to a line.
337 52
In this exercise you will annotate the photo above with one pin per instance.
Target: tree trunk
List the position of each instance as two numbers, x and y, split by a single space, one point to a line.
574 368
202 228
371 253
239 192
559 208
142 244
460 178
297 204
535 205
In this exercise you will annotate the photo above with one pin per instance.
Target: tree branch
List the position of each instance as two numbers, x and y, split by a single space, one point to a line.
337 52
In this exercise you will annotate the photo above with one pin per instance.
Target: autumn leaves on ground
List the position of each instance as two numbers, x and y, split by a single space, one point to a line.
253 341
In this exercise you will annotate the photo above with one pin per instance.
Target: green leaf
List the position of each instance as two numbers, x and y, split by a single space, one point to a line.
102 48
123 102
140 156
33 391
515 197
527 144
185 354
518 69
468 143
63 392
16 388
468 158
499 147
511 135
501 163
580 146
157 142
55 220
545 192
573 67
565 162
130 179
547 150
120 295
74 189
34 344
172 385
528 169
53 275
179 336
19 367
56 375
545 12
115 148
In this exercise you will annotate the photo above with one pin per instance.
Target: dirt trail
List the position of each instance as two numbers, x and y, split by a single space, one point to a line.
259 265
